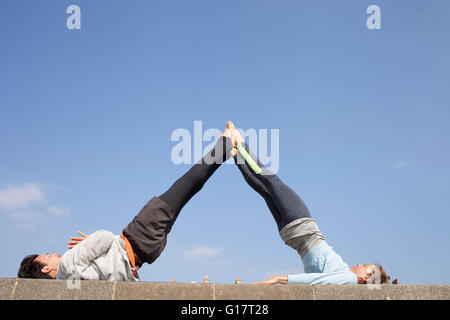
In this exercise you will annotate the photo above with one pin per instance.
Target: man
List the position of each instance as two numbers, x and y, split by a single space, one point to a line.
105 256
322 265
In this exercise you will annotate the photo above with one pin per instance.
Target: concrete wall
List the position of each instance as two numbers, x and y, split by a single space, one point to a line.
31 289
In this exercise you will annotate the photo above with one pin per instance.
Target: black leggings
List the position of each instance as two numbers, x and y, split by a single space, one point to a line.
284 204
192 181
148 231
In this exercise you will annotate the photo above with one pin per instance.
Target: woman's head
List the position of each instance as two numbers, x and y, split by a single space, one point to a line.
371 273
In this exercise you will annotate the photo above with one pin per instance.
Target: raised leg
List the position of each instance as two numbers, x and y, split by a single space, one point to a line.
148 231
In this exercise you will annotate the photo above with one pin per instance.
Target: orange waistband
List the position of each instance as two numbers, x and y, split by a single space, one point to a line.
130 254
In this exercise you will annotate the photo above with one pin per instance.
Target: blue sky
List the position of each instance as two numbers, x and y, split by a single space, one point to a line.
86 118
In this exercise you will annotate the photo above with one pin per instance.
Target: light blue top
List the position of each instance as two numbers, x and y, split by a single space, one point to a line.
323 266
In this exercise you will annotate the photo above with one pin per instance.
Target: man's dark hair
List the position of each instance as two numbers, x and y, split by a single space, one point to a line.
31 269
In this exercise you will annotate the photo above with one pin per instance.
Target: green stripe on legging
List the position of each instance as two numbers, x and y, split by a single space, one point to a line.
251 163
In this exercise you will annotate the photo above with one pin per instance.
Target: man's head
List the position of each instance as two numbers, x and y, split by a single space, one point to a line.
370 273
42 266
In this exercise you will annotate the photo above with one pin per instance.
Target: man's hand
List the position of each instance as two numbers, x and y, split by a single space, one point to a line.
274 280
76 240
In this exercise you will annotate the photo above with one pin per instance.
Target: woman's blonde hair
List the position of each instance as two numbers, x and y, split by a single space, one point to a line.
383 276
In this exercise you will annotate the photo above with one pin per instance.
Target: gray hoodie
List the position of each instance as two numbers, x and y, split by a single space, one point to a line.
101 256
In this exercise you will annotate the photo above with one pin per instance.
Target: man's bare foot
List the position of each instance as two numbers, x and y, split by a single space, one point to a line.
235 135
228 133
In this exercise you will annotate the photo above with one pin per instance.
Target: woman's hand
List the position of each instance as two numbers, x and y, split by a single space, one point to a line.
274 280
76 240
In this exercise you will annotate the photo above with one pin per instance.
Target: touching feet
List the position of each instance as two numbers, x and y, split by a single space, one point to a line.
232 133
235 135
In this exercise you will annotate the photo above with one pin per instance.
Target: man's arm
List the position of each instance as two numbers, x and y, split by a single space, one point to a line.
80 256
76 240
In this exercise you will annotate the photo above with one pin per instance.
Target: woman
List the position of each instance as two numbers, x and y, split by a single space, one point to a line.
322 265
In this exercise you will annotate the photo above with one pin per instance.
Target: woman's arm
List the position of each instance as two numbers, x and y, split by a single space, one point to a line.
274 280
314 278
